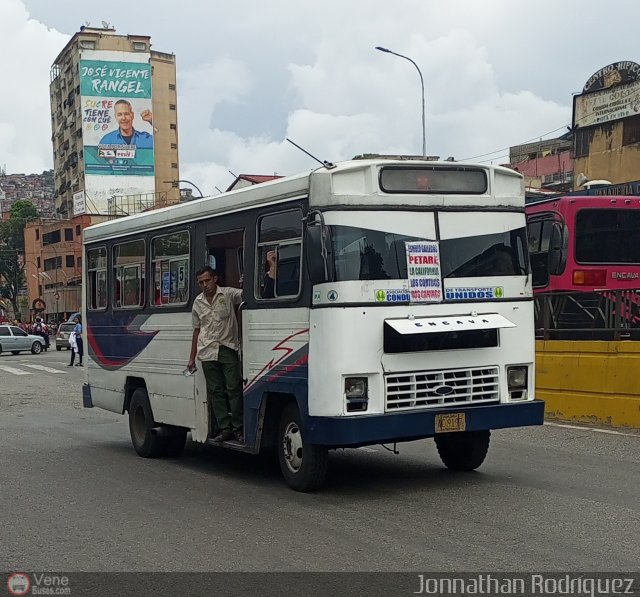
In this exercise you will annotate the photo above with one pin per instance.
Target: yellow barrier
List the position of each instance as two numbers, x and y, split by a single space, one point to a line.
590 381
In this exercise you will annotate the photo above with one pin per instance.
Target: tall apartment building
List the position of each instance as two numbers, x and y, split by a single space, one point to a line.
114 128
101 85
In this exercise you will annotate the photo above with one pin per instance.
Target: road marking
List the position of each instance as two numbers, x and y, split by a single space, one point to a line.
365 449
609 431
47 369
14 371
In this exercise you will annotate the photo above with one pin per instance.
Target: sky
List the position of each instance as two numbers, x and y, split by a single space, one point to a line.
251 73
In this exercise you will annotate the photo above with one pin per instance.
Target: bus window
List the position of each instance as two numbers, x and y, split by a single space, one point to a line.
607 236
128 274
279 235
97 279
499 254
170 269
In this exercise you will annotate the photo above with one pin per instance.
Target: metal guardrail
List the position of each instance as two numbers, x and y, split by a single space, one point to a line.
600 315
126 205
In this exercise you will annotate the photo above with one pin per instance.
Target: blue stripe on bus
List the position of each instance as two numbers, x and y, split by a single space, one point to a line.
115 339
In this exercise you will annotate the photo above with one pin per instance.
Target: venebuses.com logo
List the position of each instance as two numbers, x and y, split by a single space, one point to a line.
38 583
18 583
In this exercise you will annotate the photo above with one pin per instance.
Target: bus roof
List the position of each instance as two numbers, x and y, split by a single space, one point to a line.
288 188
601 201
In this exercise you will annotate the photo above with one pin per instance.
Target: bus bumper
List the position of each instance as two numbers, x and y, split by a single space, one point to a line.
407 426
86 396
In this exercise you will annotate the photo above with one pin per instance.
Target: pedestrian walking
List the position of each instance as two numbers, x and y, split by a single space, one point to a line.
77 331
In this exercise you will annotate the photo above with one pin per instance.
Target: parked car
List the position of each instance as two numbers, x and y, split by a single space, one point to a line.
62 337
14 340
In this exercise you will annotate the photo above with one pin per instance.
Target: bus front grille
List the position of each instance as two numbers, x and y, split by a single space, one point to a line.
449 387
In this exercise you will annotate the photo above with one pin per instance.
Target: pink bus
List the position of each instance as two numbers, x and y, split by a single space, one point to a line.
585 266
585 244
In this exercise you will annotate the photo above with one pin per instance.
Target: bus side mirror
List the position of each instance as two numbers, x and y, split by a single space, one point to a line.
557 251
318 245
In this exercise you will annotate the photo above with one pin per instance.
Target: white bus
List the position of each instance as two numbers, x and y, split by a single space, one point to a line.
402 310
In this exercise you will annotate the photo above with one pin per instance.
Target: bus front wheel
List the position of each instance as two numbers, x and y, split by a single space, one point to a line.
303 465
144 436
463 451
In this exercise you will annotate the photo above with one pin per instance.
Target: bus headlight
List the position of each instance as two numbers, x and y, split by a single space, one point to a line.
356 391
517 378
355 387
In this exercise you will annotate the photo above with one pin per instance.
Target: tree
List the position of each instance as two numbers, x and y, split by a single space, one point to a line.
12 260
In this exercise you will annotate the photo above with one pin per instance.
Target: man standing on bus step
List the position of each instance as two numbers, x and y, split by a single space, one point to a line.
215 343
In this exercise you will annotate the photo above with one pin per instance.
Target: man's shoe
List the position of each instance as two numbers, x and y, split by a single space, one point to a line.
224 436
238 436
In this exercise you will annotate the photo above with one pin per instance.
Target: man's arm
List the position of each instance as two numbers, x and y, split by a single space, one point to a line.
236 295
194 348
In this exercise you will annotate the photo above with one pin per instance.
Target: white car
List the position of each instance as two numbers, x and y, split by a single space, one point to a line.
14 340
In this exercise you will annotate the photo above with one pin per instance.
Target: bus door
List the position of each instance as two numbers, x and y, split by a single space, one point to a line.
547 248
224 252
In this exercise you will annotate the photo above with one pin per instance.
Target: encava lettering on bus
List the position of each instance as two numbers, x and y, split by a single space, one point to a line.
423 268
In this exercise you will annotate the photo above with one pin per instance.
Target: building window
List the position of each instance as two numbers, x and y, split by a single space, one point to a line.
53 263
174 146
172 86
139 46
68 234
128 274
170 265
280 235
97 279
172 127
78 229
79 263
631 130
70 261
172 106
582 141
38 262
174 165
37 233
87 44
51 238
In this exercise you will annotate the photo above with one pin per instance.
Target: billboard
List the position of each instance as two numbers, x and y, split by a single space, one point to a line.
117 125
607 105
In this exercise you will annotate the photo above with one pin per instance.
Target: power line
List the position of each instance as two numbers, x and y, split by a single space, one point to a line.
536 138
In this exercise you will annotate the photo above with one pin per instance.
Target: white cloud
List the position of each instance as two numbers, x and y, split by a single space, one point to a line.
250 74
26 47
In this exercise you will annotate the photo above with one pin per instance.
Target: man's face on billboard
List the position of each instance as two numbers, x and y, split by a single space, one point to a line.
124 117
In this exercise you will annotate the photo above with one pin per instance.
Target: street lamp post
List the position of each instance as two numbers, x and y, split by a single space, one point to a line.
424 127
188 182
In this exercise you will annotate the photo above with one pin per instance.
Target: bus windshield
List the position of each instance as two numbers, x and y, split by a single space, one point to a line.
607 236
364 254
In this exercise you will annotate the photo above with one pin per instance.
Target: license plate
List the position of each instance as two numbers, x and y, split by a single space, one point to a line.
451 422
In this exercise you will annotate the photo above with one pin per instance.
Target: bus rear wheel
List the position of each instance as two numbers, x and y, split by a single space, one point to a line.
144 436
463 451
303 465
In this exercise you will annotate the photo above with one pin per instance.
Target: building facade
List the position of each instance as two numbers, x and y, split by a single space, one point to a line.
114 124
53 266
546 164
606 126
